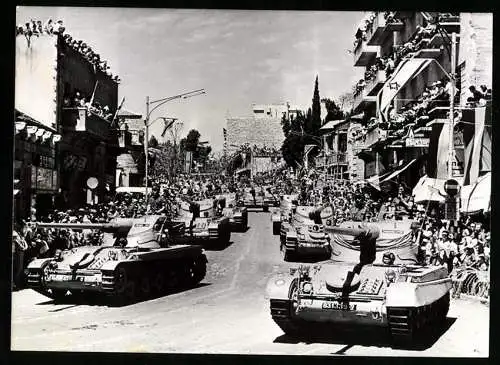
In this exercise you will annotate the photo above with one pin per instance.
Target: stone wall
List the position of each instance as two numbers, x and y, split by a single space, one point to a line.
475 50
254 131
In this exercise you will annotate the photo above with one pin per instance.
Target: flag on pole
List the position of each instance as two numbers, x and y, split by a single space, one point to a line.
117 110
93 93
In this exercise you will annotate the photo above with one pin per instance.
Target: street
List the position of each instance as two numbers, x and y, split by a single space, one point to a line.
227 313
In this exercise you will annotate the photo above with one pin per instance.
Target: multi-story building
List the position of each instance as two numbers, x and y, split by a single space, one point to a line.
129 169
61 91
407 60
333 158
261 111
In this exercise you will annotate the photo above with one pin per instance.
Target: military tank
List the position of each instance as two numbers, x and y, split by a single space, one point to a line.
303 234
135 261
250 197
386 287
238 216
201 221
282 213
270 198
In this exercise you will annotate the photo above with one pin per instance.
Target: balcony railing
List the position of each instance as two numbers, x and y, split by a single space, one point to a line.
364 54
330 159
382 28
80 120
361 99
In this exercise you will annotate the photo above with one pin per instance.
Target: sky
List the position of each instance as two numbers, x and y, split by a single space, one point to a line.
239 58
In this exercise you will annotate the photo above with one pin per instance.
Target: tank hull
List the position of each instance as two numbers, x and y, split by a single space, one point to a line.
125 274
405 300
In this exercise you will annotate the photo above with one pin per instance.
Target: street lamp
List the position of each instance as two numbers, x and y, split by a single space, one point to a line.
157 103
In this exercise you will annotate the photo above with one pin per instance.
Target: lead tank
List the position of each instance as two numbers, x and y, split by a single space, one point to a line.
135 261
386 287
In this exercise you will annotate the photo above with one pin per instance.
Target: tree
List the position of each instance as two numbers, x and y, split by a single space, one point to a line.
333 112
190 143
346 101
153 142
315 120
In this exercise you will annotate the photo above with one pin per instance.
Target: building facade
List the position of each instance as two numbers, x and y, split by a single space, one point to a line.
129 167
60 90
407 60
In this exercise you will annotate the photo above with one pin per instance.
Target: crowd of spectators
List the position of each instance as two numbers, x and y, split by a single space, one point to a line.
389 62
36 28
93 107
466 244
435 95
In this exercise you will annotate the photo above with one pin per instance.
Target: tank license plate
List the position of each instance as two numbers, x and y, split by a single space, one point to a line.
339 306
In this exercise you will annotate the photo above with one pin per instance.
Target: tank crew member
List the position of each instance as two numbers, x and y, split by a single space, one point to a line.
194 208
252 191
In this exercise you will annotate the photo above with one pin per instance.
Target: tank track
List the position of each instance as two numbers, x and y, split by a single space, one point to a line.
408 325
132 281
34 279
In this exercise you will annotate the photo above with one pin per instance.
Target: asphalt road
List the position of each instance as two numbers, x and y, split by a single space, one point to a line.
228 313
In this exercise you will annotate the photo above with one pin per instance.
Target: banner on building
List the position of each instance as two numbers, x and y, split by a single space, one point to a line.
477 142
188 161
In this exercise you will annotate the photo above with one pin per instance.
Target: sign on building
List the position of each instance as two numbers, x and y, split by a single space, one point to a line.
417 142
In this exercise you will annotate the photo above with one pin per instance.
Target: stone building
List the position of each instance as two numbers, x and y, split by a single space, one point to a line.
51 74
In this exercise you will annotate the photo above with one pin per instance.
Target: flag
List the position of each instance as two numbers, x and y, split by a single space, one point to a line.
93 93
477 142
117 110
437 162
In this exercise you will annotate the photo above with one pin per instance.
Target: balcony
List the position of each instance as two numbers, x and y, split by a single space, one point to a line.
381 29
364 54
80 120
373 136
333 158
362 99
432 47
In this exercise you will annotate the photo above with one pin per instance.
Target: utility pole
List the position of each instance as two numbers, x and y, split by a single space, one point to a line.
452 105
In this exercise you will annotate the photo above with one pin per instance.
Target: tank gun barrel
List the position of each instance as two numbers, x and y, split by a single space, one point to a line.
370 231
106 227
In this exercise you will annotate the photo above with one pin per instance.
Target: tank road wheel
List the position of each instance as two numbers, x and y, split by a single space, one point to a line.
198 269
173 277
443 306
158 282
145 286
224 234
290 325
287 255
124 286
57 294
276 228
244 224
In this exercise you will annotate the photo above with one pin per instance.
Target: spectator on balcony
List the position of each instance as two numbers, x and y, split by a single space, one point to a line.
389 67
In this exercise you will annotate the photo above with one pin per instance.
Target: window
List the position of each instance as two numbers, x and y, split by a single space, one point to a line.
258 111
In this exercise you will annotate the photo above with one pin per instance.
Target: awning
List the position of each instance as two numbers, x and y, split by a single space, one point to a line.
398 171
332 124
429 189
406 70
16 191
239 171
477 197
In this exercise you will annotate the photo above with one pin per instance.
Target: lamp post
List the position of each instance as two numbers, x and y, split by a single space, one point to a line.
156 104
